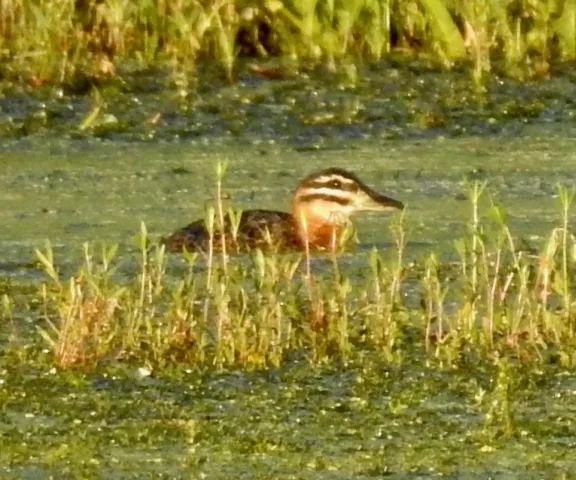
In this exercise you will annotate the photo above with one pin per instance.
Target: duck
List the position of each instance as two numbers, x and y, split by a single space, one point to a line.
322 204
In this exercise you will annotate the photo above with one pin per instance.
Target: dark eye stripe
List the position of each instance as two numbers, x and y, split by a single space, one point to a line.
328 198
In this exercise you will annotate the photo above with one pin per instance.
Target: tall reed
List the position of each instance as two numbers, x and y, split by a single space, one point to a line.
54 41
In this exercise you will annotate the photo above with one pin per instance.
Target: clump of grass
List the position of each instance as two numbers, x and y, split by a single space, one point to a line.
385 311
59 41
507 298
84 307
261 308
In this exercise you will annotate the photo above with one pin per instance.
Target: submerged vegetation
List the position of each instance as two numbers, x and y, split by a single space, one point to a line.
53 41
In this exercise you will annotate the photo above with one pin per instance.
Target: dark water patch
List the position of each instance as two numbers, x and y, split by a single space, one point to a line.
384 101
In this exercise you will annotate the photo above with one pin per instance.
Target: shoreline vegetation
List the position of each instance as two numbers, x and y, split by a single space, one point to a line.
65 42
499 300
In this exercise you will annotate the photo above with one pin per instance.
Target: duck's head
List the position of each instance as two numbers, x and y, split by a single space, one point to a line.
331 196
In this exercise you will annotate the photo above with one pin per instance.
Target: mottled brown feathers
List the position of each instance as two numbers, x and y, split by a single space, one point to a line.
264 229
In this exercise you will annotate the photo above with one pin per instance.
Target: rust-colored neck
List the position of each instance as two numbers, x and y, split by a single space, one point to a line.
315 230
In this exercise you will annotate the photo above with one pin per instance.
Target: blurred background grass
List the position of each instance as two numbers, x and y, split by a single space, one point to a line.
54 41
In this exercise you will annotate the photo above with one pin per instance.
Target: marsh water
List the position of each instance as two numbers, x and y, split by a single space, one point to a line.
364 419
71 194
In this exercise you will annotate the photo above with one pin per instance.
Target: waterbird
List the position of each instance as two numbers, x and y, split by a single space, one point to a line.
322 204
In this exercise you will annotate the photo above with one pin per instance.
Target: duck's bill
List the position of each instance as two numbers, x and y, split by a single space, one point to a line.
374 201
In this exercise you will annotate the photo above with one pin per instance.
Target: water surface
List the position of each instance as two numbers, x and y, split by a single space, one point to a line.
72 194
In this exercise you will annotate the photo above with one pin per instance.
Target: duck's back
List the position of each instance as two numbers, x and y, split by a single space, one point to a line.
264 229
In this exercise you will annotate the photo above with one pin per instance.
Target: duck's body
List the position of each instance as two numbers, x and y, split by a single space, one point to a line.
321 206
257 229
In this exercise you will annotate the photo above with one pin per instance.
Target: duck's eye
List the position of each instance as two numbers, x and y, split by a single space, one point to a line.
336 184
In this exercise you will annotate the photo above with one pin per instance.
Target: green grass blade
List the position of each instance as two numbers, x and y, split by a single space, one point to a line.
444 28
565 29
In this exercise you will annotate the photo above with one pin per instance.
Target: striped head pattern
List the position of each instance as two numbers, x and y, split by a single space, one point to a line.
334 194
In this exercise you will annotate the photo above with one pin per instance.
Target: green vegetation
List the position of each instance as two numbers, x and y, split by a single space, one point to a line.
53 41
